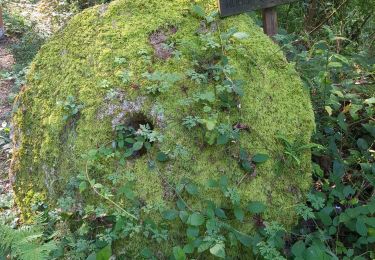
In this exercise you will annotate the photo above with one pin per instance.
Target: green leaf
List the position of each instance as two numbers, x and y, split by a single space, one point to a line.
244 239
218 250
196 219
162 157
170 214
104 254
334 65
184 216
204 246
82 186
362 144
256 207
220 213
146 252
189 248
240 35
137 146
338 171
198 11
237 88
222 139
360 227
192 231
298 248
260 158
192 189
370 101
239 214
179 253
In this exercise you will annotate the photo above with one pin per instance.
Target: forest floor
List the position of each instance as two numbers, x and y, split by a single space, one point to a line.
6 84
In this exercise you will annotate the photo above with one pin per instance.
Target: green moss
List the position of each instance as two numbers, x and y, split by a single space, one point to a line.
77 60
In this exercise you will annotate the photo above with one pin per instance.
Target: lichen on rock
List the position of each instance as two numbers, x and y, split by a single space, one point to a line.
103 57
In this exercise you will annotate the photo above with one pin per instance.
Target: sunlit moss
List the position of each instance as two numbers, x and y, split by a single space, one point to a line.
78 59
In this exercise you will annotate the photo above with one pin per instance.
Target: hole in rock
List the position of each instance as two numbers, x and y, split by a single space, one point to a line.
128 139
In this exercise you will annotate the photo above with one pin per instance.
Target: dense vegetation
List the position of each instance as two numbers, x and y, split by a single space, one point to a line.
332 46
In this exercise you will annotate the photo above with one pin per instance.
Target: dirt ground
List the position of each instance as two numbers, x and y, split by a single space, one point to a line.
6 63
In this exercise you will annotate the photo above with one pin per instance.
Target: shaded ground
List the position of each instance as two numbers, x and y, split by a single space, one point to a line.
7 211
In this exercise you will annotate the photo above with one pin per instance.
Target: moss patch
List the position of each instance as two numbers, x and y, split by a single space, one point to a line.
89 60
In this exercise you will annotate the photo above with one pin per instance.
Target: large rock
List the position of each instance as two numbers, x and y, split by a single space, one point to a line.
103 63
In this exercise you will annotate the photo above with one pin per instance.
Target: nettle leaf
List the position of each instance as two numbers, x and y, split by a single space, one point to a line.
256 207
198 11
196 219
260 158
237 88
298 248
218 250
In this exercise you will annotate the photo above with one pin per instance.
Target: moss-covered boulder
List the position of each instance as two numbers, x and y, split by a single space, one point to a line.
189 77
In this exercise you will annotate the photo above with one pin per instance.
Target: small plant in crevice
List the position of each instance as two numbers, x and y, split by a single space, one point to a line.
70 107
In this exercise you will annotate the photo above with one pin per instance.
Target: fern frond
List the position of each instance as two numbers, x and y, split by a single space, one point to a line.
25 243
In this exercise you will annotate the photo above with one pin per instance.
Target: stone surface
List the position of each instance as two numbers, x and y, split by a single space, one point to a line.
99 59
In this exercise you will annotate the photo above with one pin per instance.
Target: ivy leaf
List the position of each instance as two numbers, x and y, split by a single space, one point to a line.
260 158
178 253
198 11
170 214
256 207
196 219
218 250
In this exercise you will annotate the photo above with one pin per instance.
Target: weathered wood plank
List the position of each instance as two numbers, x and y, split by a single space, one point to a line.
232 7
270 26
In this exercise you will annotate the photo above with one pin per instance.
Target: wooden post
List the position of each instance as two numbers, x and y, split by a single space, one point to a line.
270 26
268 7
2 30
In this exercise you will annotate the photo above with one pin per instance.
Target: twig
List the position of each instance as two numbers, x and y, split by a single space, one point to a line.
329 17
